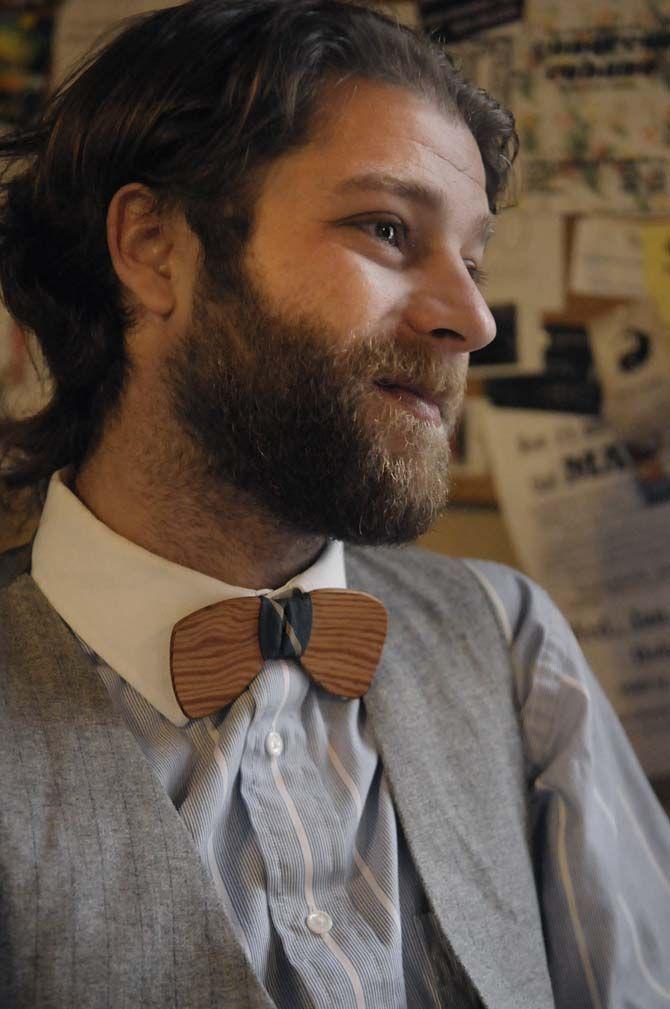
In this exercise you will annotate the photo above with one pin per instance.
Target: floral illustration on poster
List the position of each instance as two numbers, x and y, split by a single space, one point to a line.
592 99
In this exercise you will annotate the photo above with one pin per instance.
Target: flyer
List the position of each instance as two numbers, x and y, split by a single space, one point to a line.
593 112
607 258
582 527
631 350
525 259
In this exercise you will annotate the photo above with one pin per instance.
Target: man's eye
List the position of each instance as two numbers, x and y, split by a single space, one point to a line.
387 232
477 274
391 233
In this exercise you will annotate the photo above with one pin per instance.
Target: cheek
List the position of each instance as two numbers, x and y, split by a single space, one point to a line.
348 291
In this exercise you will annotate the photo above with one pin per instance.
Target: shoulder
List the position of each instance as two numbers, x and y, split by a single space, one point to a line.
467 594
432 587
556 688
514 597
518 600
408 575
470 596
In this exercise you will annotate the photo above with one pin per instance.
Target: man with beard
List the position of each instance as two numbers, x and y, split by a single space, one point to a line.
254 754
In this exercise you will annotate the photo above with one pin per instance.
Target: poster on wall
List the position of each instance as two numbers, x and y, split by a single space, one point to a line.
525 260
631 349
583 528
607 257
589 84
592 100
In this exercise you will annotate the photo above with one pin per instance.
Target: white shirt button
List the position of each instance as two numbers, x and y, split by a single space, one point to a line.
319 922
274 744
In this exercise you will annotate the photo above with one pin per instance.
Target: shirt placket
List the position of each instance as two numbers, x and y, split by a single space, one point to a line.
302 843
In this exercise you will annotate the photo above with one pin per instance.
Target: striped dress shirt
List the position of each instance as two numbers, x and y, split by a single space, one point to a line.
287 802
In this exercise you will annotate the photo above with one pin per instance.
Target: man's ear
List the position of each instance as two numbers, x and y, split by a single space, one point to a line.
141 248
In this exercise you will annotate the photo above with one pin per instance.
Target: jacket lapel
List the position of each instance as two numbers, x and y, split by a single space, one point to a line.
441 710
437 798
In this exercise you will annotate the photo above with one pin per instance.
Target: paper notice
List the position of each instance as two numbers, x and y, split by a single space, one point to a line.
584 530
524 260
631 350
591 102
607 258
525 277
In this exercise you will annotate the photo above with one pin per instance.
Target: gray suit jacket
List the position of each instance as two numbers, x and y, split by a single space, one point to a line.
104 901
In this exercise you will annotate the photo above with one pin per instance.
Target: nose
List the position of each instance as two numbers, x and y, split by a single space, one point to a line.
447 304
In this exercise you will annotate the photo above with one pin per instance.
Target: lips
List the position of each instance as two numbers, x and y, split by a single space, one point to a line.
429 396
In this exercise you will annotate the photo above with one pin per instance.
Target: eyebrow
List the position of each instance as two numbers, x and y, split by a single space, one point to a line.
415 192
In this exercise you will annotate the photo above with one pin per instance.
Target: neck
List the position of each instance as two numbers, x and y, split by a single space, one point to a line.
163 501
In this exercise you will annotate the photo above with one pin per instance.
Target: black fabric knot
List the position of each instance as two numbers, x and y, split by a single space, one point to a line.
285 625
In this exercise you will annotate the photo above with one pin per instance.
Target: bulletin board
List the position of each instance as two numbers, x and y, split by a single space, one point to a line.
566 428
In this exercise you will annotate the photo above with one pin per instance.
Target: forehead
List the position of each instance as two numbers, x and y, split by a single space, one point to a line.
366 127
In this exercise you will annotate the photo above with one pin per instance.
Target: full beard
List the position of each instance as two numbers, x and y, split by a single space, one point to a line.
286 412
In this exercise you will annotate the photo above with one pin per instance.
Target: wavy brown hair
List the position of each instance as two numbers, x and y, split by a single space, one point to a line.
193 101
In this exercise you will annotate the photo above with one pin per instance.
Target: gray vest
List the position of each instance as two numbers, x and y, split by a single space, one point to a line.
104 901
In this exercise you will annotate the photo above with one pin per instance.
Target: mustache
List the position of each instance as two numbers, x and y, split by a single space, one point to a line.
374 356
442 376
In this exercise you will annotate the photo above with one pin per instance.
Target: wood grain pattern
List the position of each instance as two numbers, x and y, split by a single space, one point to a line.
214 655
215 652
348 633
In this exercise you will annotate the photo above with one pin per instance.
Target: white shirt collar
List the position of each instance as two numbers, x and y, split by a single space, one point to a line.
123 601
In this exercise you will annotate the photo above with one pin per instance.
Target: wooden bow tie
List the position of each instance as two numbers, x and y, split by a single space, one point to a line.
217 651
